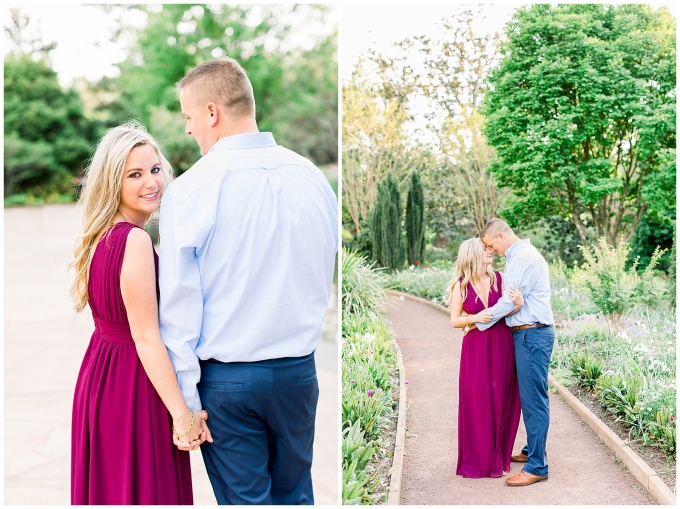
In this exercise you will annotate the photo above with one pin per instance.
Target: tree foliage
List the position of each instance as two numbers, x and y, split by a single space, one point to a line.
455 81
47 138
295 88
388 246
582 116
374 139
415 219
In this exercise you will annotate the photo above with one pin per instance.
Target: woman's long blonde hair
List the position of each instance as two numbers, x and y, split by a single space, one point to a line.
470 267
100 194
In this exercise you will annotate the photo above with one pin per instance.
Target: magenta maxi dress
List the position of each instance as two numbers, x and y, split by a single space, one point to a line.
489 407
121 448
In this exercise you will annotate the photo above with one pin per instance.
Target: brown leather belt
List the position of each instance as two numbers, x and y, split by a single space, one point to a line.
530 326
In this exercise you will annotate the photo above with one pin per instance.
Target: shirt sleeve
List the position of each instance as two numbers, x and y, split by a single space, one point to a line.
181 301
519 275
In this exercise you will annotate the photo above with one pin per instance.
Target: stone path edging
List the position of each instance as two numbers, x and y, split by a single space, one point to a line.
647 477
394 495
637 466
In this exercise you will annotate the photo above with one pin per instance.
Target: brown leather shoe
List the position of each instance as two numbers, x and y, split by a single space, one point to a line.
521 458
525 479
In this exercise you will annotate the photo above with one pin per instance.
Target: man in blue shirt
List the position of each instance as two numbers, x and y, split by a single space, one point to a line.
534 335
248 242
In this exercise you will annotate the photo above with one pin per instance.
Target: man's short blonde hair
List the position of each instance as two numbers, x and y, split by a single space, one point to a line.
493 227
224 82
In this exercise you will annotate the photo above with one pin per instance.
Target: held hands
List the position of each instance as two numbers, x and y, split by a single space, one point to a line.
198 433
516 296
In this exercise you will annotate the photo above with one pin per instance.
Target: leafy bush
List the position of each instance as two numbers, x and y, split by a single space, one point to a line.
368 377
437 254
362 285
358 480
587 369
614 289
429 283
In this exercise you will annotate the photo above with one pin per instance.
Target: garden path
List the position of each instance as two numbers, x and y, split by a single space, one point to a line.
582 471
45 341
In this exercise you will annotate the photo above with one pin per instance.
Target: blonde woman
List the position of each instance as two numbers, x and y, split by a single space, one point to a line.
127 409
489 405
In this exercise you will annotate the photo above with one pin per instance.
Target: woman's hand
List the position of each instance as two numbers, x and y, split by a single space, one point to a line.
516 297
482 317
198 434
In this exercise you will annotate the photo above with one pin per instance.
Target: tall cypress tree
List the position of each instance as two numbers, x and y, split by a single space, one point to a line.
415 219
388 248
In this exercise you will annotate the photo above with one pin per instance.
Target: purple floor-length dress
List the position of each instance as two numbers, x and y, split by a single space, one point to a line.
121 445
489 406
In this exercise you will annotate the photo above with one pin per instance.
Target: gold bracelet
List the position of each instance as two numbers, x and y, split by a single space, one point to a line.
467 323
178 434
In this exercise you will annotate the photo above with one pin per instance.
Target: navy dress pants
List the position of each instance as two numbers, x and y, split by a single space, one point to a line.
261 416
533 348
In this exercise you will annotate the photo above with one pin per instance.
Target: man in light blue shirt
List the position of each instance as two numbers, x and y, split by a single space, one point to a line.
534 335
248 244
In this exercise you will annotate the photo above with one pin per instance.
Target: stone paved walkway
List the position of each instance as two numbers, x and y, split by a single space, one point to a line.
582 471
45 341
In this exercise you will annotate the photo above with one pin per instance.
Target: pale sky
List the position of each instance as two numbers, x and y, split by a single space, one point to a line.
379 25
83 34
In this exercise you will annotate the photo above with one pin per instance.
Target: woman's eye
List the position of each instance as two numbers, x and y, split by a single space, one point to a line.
135 174
155 169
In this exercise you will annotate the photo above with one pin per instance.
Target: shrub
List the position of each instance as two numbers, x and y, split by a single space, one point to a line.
613 288
362 286
587 369
415 219
358 480
388 246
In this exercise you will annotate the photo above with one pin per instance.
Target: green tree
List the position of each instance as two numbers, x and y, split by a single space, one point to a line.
374 140
415 219
455 81
47 138
295 88
388 246
582 116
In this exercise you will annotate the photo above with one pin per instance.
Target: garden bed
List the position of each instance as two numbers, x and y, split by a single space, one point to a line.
384 456
654 457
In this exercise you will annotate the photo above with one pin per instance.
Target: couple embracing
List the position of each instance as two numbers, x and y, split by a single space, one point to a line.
508 340
211 343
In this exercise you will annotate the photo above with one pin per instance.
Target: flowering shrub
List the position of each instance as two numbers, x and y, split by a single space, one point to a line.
368 377
429 283
631 369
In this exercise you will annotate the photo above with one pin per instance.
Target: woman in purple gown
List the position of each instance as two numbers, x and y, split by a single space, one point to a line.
488 394
127 408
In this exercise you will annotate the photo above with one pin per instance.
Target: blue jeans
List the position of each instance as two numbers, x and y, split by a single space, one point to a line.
533 348
261 416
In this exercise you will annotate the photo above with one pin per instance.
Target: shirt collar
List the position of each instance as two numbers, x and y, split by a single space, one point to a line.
240 141
513 249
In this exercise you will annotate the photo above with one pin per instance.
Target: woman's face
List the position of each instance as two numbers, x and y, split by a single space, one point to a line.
487 256
142 184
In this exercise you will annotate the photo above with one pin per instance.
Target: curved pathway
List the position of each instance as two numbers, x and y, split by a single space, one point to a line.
582 471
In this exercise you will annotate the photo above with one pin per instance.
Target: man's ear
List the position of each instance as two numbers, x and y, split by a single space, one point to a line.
213 112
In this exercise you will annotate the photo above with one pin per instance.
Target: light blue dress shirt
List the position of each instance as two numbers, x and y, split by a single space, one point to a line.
526 270
248 238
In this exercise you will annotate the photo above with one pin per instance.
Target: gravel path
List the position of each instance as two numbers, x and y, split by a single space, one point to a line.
582 471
